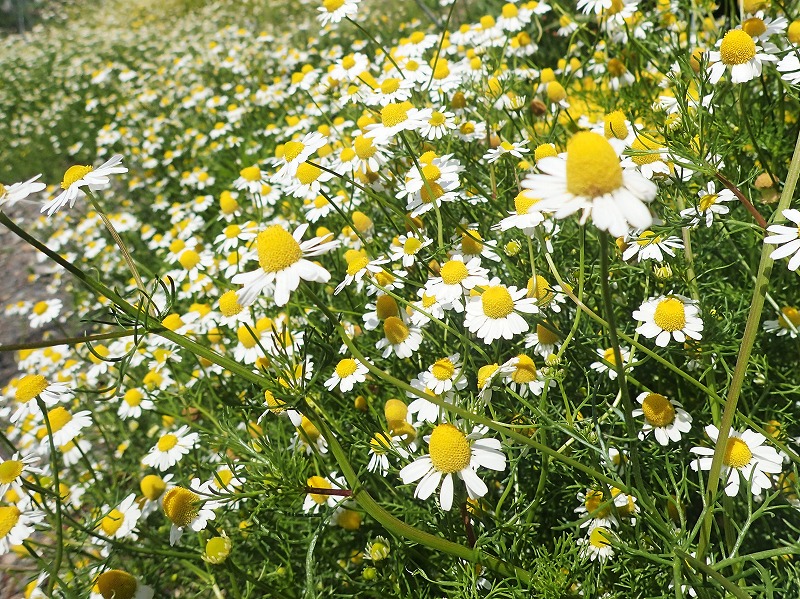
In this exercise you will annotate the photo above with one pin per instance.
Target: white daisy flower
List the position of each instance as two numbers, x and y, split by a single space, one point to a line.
31 386
456 278
649 246
380 446
118 583
439 124
788 238
444 374
544 342
12 469
516 149
399 339
170 449
526 215
347 373
745 454
789 65
16 525
406 247
523 377
473 245
133 404
188 508
282 258
358 267
787 323
11 194
597 544
64 425
422 410
493 314
453 452
333 11
590 179
710 203
608 355
79 176
435 181
397 117
321 491
296 153
669 317
664 417
594 6
119 522
741 53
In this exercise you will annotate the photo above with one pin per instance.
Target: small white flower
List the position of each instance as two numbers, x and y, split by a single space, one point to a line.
608 355
399 339
17 525
664 417
745 453
649 246
597 544
78 177
170 448
710 203
493 314
347 373
11 194
739 51
669 317
119 522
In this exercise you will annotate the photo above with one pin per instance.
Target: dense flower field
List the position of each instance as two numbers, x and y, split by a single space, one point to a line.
433 300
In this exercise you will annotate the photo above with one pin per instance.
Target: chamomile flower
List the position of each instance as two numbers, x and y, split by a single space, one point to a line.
333 11
453 452
590 179
435 181
543 341
31 386
170 448
597 544
745 454
282 260
788 238
406 248
399 338
523 376
439 124
669 317
12 470
710 202
594 6
493 314
397 117
347 373
119 522
78 177
444 375
665 418
457 276
788 323
64 425
380 446
133 404
649 246
323 491
16 525
11 194
607 355
118 583
252 179
188 508
526 216
359 266
789 66
739 51
516 149
296 153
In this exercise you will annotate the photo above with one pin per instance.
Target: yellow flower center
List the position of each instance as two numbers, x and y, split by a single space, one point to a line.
227 203
348 62
247 337
428 300
167 442
361 221
117 584
707 201
181 506
223 478
544 151
593 167
599 538
497 302
789 315
232 231
437 119
644 145
10 470
251 173
112 522
485 373
2 190
380 443
647 238
523 203
453 272
310 432
152 486
609 356
545 335
394 114
411 246
346 367
189 259
737 47
332 5
73 174
308 173
229 304
556 92
658 410
59 418
40 308
443 369
9 515
614 125
357 264
471 242
449 449
277 249
509 11
754 27
217 549
737 453
430 192
29 387
670 314
386 306
593 503
394 329
616 68
317 482
292 149
172 322
364 147
390 85
525 371
384 278
540 289
395 411
793 33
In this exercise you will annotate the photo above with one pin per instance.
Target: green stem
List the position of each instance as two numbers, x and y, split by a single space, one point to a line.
57 484
748 339
68 341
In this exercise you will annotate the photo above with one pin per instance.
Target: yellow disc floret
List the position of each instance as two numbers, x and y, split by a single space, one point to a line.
737 453
453 272
152 486
181 506
277 249
497 302
117 584
29 387
395 331
10 471
346 367
593 168
658 410
75 173
443 369
670 314
737 47
449 449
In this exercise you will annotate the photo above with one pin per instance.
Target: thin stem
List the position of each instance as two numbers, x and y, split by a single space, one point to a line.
68 341
57 484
